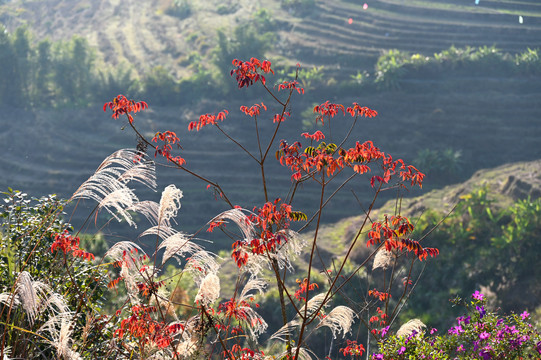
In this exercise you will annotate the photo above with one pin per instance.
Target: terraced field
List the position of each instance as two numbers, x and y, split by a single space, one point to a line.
144 35
424 27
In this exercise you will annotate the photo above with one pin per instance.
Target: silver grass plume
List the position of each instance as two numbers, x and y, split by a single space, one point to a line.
60 329
108 186
201 263
35 297
129 254
209 290
313 304
310 307
286 330
408 328
256 324
383 259
119 200
253 284
187 347
149 209
240 219
290 250
130 164
7 350
339 320
176 244
26 293
169 204
190 337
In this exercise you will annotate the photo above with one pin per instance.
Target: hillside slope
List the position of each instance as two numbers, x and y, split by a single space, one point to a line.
144 35
506 184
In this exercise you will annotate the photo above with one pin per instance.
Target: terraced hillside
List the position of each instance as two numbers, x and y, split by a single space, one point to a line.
422 27
144 35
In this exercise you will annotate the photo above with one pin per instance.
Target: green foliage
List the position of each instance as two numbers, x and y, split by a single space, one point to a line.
160 86
117 80
481 244
180 8
440 164
528 62
263 20
28 230
298 7
390 69
73 71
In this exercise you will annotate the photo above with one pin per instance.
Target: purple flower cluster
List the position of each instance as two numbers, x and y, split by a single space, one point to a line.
481 334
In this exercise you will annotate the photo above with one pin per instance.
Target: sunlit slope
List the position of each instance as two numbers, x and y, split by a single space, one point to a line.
143 34
425 27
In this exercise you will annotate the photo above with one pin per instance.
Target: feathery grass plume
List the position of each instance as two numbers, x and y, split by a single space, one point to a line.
130 256
119 200
253 284
128 165
290 250
209 290
169 204
178 245
408 328
108 187
35 297
313 304
187 347
256 324
51 302
149 209
255 264
339 320
287 330
201 263
60 329
143 172
240 219
26 293
383 259
7 351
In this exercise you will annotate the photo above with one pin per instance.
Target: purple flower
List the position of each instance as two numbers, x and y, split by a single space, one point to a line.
384 331
481 310
477 295
484 335
456 330
538 347
524 315
485 354
433 330
378 357
465 320
402 350
460 348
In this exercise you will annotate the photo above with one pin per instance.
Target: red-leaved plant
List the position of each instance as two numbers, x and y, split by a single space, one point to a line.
154 321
